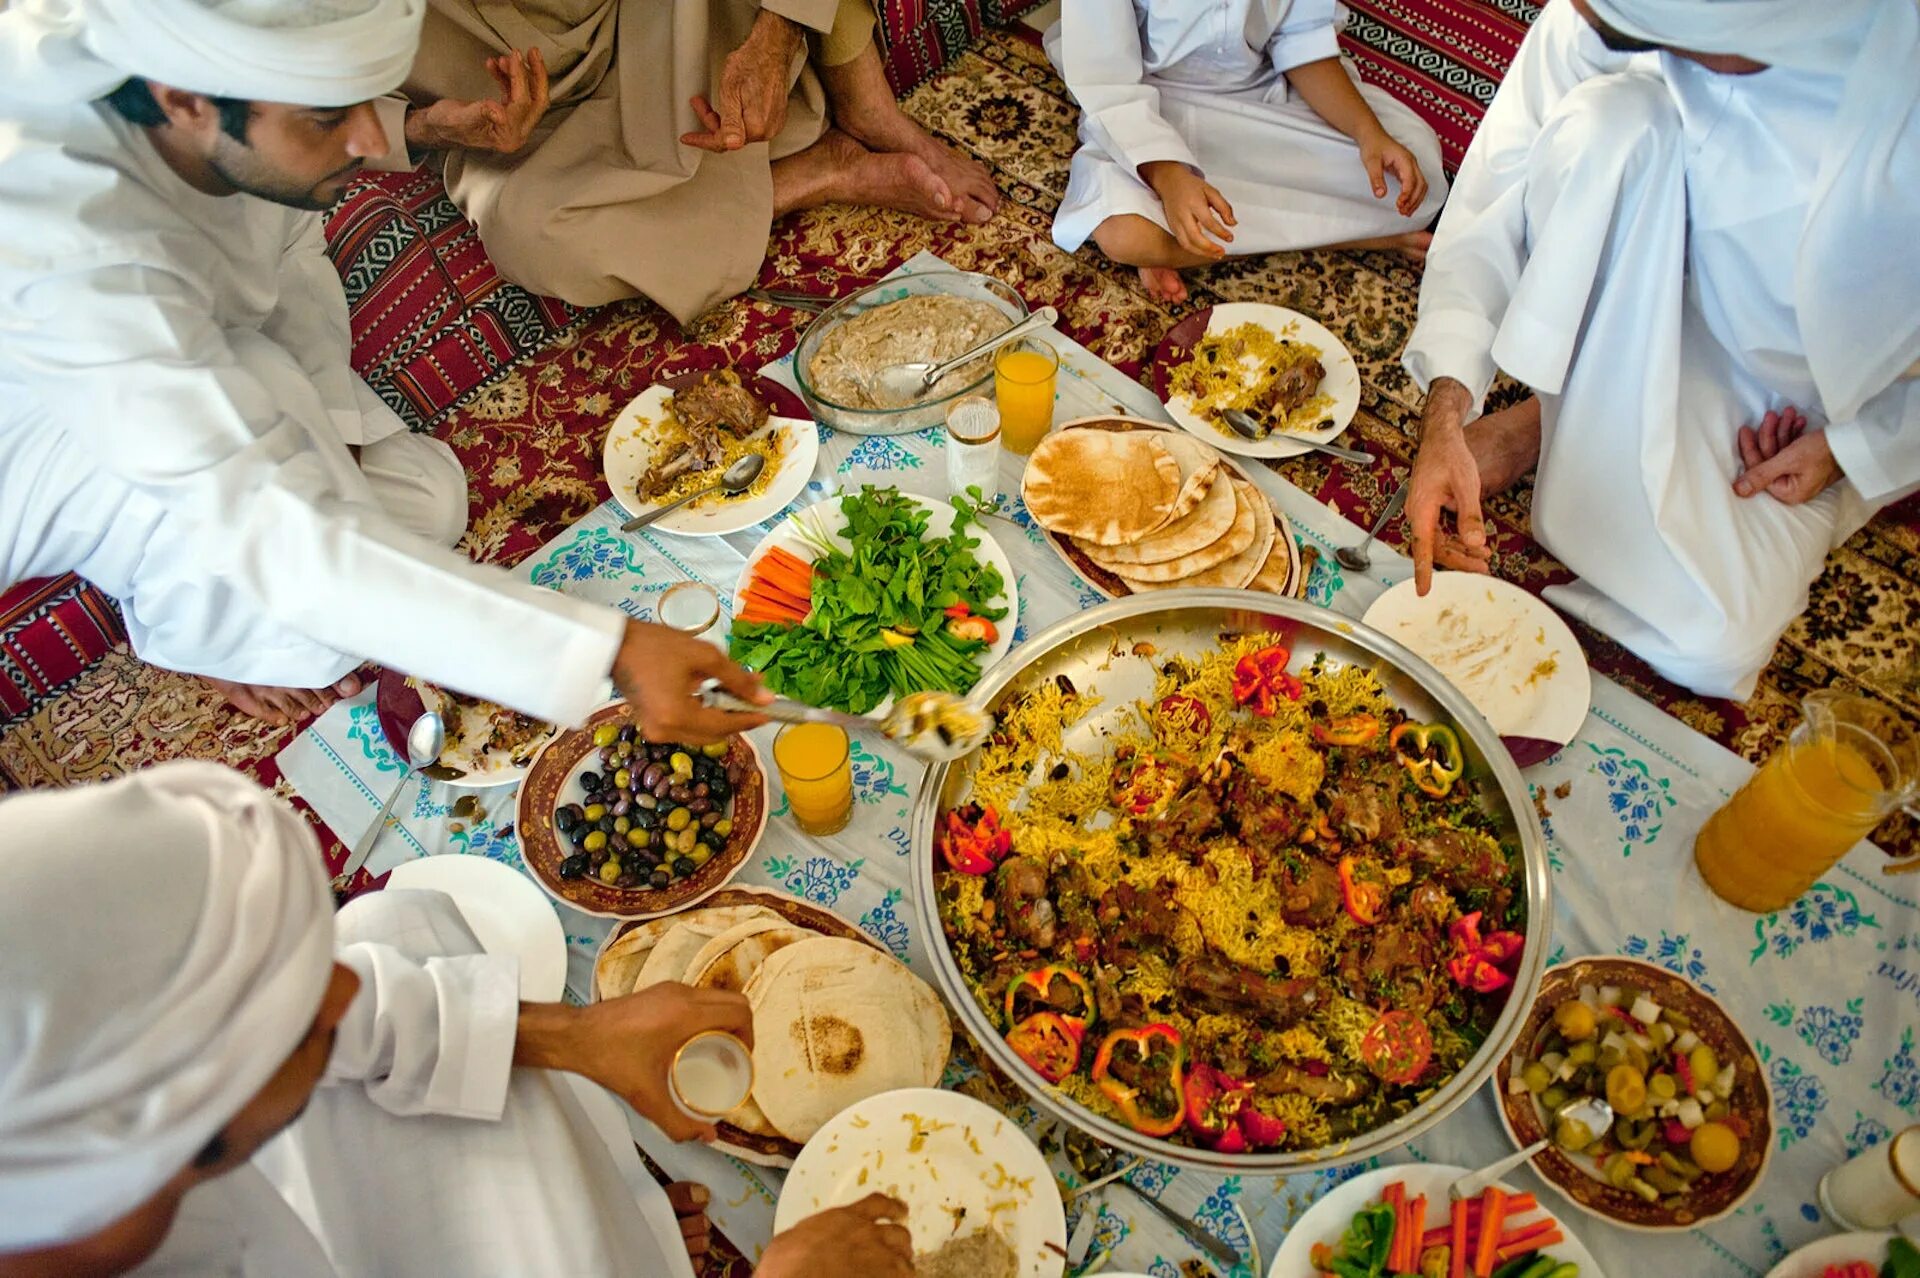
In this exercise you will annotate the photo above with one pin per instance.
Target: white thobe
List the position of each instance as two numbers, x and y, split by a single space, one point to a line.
1202 83
176 406
1622 238
424 1152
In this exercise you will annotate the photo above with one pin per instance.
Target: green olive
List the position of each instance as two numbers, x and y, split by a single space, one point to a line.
610 870
1571 1135
596 840
623 779
678 819
699 853
1536 1076
1663 1087
638 838
1706 1066
1584 1053
681 762
595 811
606 734
622 824
723 827
717 750
1553 1099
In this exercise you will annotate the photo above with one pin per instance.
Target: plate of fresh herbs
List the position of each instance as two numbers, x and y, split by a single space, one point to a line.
871 595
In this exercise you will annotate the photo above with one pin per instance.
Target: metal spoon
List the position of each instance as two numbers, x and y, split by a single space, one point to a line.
913 723
1244 426
911 381
1095 1161
1592 1113
735 479
1354 558
425 739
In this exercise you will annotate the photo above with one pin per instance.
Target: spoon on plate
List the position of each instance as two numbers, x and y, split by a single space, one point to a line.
1355 558
1244 426
426 737
1592 1113
913 380
734 480
936 726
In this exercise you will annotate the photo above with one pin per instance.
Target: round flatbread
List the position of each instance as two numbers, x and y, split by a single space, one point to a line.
1233 573
730 959
834 1022
1199 466
1231 544
1276 575
1108 487
618 968
1209 521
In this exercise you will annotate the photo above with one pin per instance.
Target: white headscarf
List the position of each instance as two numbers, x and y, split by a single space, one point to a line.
323 53
165 940
1857 283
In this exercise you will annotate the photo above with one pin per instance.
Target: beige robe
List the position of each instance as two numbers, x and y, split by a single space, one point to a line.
604 202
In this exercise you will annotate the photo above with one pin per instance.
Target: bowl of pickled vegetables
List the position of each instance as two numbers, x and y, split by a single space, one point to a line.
1692 1126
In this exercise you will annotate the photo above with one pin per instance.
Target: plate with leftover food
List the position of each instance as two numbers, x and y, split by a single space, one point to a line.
1871 1254
981 1201
868 596
1510 653
1128 522
507 913
678 435
1284 370
1693 1127
486 744
725 942
1399 1220
616 825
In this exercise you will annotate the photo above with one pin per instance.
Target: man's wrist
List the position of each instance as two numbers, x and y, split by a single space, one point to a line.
419 133
547 1037
1448 402
783 31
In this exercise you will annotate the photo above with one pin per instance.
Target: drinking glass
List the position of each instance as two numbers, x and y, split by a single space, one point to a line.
973 448
711 1075
1849 763
816 770
691 607
1023 377
1877 1187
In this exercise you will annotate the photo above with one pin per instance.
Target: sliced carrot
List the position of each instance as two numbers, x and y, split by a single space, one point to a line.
1457 1243
1395 1196
1488 1242
1416 1227
788 582
1524 1232
1552 1237
778 598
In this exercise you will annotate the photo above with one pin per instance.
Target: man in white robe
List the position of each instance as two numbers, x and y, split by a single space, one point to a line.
209 1024
1217 127
178 419
1687 226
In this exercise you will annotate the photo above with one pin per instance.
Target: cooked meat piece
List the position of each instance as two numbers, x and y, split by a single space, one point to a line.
1328 1089
1361 812
1395 966
1217 985
1106 995
1020 891
1465 860
1135 921
1266 821
1309 892
1186 826
719 399
701 450
1073 903
1432 907
1294 387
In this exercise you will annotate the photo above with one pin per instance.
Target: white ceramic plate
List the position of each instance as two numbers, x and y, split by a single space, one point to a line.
939 524
1327 1219
970 1157
1342 381
1489 637
627 454
507 912
1812 1259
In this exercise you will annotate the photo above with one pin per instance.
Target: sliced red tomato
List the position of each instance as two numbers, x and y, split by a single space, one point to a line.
1397 1048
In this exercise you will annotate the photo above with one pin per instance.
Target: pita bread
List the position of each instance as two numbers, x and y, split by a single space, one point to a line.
1199 467
834 1022
1231 544
730 959
1108 487
1276 575
1236 572
618 968
1200 527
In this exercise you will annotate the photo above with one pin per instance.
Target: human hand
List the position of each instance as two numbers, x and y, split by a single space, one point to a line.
864 1239
660 671
503 125
1445 477
627 1045
751 104
1782 457
1197 214
1382 155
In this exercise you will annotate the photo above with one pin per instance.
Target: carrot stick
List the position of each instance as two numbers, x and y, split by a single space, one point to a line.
1395 1196
1457 1244
1524 1232
1415 1229
1535 1243
1488 1242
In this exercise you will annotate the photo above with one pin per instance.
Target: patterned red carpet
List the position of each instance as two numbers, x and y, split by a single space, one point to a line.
531 439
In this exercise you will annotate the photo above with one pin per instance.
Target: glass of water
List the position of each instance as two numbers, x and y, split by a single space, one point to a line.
691 607
973 448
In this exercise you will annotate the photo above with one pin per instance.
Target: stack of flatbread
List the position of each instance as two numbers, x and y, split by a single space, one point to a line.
1157 509
835 1020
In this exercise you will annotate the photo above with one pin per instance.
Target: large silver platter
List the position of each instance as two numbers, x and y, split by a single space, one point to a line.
1095 649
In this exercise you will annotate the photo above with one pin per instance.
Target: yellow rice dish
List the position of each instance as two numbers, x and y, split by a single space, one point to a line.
1264 374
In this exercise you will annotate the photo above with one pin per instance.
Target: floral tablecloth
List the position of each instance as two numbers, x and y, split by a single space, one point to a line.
1829 990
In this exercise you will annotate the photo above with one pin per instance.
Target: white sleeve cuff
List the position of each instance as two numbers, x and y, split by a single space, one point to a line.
567 683
1457 344
1315 43
392 111
481 1012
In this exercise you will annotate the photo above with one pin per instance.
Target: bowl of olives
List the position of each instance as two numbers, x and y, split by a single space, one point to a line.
616 825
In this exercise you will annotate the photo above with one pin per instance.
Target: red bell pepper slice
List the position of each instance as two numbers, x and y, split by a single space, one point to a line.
1260 679
1478 962
1154 1103
971 840
1220 1112
1049 1042
1039 983
1365 900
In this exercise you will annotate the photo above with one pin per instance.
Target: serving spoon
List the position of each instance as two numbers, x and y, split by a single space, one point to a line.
913 380
734 480
1244 426
915 723
1592 1113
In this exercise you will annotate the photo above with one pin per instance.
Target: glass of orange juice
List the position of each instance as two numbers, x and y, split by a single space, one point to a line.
1849 763
1023 377
816 770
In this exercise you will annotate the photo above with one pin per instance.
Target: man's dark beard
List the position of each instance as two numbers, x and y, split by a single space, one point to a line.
1619 41
245 178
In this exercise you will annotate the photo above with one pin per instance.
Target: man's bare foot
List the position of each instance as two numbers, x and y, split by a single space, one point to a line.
864 106
690 1201
837 169
1163 283
1411 244
1505 445
281 705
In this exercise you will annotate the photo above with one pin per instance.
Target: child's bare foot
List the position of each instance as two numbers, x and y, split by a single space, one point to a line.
1163 284
690 1201
281 705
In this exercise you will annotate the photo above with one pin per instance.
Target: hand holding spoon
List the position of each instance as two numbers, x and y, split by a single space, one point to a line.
736 479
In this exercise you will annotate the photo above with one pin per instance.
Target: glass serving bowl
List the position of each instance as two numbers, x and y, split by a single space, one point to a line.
931 411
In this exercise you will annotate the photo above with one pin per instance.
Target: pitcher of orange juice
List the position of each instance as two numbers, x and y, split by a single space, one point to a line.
1848 765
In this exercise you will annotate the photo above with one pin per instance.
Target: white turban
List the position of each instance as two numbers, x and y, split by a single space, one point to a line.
322 53
1857 281
165 940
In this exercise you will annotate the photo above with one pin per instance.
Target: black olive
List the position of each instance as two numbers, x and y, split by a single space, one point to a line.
590 780
713 840
702 790
684 867
720 792
659 753
604 824
578 835
660 877
573 867
646 818
622 805
627 879
680 792
709 818
1060 772
628 732
564 821
700 807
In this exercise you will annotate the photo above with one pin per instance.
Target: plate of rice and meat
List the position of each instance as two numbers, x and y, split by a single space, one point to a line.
677 436
1234 884
486 744
1284 370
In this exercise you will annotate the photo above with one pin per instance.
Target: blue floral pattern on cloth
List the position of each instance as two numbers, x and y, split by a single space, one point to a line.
593 552
1673 953
1866 1133
1218 1213
1637 798
1822 913
363 727
884 925
1154 1176
820 879
1324 580
1832 1031
872 775
483 838
1798 1098
424 807
879 452
1900 1076
1017 512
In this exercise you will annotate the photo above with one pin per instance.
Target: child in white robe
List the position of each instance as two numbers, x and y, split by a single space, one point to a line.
1217 127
